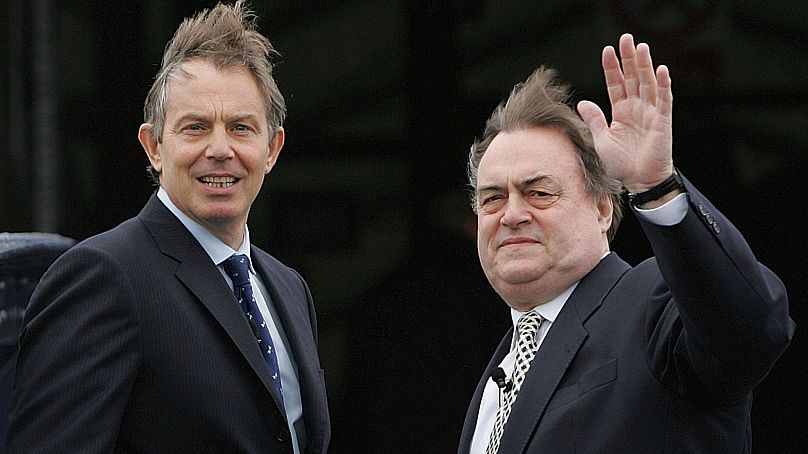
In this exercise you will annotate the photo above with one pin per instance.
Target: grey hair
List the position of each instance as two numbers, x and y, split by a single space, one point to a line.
541 101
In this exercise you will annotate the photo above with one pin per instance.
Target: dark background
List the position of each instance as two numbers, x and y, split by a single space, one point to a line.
368 199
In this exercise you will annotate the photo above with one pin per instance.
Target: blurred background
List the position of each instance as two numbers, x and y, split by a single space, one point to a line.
368 200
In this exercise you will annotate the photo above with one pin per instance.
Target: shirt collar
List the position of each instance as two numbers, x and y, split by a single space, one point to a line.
549 310
216 249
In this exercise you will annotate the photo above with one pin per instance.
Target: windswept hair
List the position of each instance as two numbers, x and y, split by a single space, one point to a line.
226 37
542 101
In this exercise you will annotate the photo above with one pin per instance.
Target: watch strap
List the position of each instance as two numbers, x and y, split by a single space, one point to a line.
670 184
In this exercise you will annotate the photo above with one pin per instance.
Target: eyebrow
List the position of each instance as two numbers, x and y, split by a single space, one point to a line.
247 117
191 117
538 178
242 118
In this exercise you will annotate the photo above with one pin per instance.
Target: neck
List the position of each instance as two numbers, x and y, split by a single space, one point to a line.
231 234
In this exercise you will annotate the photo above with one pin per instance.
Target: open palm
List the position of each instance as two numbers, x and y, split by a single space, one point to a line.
636 148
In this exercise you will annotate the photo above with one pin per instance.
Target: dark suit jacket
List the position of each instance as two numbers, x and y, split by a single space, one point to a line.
133 342
659 358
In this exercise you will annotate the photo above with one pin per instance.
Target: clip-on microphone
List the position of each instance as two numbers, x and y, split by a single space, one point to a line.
498 376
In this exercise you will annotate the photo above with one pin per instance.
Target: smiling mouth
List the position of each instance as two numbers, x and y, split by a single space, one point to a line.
218 182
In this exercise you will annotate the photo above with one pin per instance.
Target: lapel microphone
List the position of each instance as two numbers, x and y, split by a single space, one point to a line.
498 376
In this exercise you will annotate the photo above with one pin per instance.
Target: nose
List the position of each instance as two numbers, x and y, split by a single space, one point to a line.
219 146
516 212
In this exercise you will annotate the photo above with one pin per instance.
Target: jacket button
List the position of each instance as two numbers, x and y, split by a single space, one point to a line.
716 228
702 210
709 218
282 435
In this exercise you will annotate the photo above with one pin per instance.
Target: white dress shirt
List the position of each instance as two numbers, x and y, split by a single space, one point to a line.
490 401
219 252
670 213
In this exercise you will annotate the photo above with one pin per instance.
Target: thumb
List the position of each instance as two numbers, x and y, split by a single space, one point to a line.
593 117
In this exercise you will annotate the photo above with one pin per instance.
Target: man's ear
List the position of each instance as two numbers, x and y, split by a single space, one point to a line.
605 212
275 146
150 145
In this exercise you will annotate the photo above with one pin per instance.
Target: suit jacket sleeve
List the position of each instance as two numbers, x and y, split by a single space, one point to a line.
725 322
78 357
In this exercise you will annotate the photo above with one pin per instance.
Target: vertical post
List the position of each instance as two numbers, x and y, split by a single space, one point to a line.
45 122
18 119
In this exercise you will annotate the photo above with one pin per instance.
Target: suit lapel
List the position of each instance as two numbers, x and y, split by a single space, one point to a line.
196 271
290 315
557 351
295 322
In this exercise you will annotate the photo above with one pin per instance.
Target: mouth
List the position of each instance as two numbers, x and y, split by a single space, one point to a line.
218 182
517 241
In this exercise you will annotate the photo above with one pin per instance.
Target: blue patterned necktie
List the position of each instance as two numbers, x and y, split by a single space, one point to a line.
238 268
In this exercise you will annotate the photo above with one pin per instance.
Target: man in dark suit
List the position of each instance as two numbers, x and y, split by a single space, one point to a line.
134 341
605 357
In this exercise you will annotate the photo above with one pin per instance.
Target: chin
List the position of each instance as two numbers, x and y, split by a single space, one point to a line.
519 273
520 297
221 216
524 296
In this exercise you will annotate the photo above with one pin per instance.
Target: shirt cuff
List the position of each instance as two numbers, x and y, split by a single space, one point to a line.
670 213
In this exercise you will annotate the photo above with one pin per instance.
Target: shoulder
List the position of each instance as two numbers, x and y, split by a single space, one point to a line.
275 270
270 264
640 281
123 238
108 252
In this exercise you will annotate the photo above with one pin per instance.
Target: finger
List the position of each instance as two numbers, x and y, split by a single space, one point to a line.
648 81
613 75
593 117
628 58
665 92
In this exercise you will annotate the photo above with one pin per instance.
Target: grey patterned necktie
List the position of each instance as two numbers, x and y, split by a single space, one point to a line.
527 328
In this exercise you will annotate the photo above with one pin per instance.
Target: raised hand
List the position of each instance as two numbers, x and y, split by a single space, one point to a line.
637 147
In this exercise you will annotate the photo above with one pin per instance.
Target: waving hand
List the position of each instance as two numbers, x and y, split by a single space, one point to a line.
636 148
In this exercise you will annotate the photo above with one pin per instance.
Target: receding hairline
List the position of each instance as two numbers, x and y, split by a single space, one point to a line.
183 74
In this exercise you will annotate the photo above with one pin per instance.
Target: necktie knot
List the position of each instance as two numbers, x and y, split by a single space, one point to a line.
237 266
528 325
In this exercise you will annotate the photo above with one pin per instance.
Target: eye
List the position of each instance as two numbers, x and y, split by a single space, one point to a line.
241 128
490 199
542 199
194 128
491 202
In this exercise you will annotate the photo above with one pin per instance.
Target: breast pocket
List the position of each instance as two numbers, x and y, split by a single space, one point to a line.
596 378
